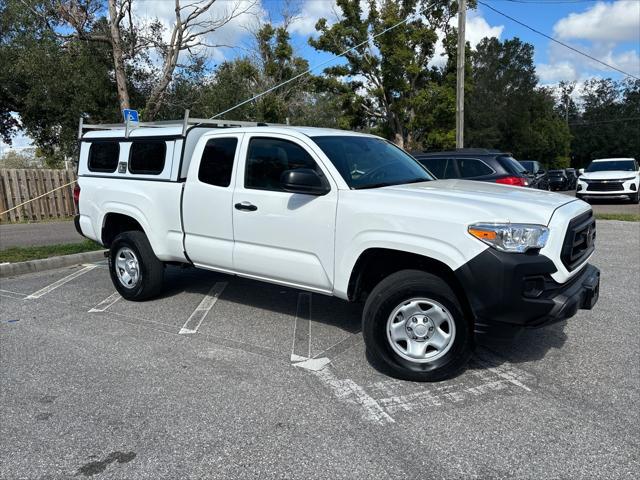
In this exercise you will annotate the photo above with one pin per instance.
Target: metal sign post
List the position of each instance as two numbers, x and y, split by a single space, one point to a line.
462 20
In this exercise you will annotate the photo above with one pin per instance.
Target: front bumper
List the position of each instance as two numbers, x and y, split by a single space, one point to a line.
608 188
510 292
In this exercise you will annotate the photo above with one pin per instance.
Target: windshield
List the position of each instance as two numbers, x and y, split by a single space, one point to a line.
511 165
556 173
369 162
528 165
625 165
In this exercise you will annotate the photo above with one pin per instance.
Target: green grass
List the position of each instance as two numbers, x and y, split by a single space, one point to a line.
22 254
24 221
625 217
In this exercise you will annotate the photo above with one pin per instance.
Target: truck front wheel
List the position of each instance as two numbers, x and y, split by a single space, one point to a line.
135 271
414 328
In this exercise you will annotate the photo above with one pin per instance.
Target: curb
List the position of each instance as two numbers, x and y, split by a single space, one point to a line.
19 268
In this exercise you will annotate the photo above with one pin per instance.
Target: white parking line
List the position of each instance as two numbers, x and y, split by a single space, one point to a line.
9 292
195 319
301 345
348 390
62 281
106 303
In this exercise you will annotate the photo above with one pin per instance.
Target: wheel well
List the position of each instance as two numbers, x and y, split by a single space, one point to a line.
116 223
375 264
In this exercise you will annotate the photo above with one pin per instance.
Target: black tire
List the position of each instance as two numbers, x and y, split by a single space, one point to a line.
635 198
151 270
392 292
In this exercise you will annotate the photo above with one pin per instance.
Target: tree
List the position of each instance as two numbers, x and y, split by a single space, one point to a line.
50 83
506 110
14 159
273 61
386 75
131 43
607 125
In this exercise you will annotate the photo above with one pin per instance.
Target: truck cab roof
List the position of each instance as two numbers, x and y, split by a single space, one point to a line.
177 130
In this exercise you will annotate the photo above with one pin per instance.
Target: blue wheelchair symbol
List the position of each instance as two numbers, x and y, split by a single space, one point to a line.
130 115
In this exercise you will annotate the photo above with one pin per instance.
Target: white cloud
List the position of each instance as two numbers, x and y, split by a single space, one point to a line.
312 11
628 61
476 29
248 13
609 22
603 32
554 73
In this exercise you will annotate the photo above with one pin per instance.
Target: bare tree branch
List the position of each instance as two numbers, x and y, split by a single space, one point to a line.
194 21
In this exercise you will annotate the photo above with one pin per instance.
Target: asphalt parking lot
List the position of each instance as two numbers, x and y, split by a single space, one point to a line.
224 377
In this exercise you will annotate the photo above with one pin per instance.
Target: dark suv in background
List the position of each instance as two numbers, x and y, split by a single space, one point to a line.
538 177
475 164
558 180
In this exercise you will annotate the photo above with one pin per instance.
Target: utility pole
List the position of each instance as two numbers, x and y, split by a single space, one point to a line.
462 20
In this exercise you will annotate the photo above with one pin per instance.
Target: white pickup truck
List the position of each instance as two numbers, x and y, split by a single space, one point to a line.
439 264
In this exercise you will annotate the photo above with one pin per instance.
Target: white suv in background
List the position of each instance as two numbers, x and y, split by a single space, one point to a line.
619 177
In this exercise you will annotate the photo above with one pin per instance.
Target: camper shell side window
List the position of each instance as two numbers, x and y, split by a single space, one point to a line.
103 156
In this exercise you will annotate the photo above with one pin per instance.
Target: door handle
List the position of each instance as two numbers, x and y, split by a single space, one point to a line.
247 206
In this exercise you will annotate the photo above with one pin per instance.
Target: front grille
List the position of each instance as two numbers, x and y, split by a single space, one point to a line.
579 241
604 186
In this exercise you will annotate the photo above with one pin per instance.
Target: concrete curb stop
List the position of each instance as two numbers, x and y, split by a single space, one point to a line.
19 268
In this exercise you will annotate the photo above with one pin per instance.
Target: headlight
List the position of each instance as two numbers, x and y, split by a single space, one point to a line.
511 237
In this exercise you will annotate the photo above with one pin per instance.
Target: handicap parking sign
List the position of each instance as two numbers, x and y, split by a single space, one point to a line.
130 115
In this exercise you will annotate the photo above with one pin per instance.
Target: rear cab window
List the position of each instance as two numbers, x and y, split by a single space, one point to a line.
216 164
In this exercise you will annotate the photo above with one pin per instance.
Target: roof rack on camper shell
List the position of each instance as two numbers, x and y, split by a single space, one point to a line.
184 123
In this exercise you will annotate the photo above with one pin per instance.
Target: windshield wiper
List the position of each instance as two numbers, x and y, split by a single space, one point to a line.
388 184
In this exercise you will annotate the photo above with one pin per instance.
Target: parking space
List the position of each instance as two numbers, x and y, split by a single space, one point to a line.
224 377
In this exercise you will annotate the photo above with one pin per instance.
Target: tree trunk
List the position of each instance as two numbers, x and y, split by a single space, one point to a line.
155 98
398 139
118 61
154 102
396 126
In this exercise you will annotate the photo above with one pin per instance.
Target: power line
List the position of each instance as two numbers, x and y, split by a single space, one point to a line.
558 41
335 57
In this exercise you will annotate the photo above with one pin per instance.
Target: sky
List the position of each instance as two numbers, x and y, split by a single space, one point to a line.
607 30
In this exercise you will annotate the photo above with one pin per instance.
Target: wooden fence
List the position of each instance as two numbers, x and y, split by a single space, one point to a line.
17 186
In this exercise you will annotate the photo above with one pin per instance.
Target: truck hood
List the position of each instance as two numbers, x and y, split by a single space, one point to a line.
608 175
484 201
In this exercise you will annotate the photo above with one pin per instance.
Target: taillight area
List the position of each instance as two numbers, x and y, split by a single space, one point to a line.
76 195
516 181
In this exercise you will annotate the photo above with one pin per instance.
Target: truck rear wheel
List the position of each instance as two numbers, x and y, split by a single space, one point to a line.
135 271
414 328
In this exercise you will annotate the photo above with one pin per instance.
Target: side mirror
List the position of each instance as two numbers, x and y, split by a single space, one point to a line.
305 181
541 172
581 171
